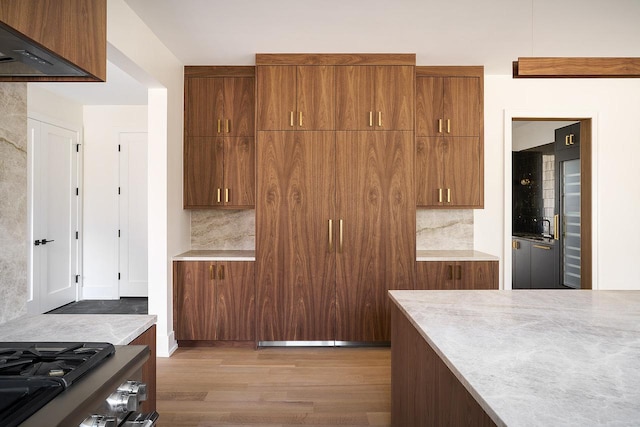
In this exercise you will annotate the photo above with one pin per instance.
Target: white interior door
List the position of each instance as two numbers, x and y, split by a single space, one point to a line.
133 214
54 219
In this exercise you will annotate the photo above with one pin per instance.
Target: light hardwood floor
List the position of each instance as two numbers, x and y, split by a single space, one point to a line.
275 387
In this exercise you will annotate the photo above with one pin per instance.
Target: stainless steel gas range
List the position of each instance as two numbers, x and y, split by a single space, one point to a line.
73 384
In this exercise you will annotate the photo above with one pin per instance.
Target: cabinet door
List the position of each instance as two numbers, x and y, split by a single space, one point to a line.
521 264
316 97
429 172
394 97
239 172
194 301
543 272
376 243
462 106
203 172
235 301
429 106
463 172
477 275
434 275
204 105
295 278
354 97
239 106
276 97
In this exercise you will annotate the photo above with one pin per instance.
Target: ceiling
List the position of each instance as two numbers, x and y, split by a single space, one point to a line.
492 33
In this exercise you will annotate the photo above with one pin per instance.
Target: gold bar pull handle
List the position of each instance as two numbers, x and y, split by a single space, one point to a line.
556 223
211 274
219 125
226 195
291 118
330 236
300 118
340 232
370 118
219 195
439 195
571 142
379 118
221 272
439 125
566 140
448 195
546 248
448 125
227 126
450 275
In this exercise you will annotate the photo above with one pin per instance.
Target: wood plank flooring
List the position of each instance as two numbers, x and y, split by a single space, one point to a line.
275 387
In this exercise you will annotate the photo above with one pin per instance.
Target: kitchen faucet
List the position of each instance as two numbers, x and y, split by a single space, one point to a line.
548 227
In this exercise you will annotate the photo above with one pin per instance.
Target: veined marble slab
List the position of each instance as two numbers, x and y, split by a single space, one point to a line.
454 255
220 255
538 357
117 329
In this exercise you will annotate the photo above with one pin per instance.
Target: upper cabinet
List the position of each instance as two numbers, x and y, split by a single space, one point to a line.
219 105
67 40
377 97
448 106
294 97
219 145
449 137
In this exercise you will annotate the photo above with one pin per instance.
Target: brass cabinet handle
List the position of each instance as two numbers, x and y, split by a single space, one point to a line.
370 118
515 244
219 193
291 119
221 272
448 125
459 272
566 140
300 118
450 275
546 248
330 236
227 126
448 195
379 118
439 195
226 195
210 271
341 241
571 142
219 125
439 125
556 222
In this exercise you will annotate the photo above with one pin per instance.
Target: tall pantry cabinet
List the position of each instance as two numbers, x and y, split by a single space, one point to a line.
335 203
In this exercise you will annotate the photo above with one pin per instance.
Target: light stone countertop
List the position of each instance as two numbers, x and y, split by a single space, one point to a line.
538 357
117 329
454 255
219 255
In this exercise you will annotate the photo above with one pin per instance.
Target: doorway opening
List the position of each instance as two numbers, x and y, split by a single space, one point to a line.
550 184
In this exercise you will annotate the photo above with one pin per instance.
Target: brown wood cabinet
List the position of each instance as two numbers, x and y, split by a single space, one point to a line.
375 97
219 149
469 275
292 97
449 172
214 300
75 30
335 215
450 137
148 338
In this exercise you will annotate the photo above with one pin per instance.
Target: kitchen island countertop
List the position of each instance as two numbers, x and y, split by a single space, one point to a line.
537 357
117 329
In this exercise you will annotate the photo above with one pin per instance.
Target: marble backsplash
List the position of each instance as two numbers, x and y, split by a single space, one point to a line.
13 200
235 230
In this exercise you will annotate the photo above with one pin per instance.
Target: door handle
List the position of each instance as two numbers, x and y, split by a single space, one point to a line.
211 273
291 118
448 125
226 195
450 276
221 272
300 118
556 232
227 126
379 118
330 236
218 125
458 272
340 233
218 198
546 248
370 118
45 241
448 195
439 125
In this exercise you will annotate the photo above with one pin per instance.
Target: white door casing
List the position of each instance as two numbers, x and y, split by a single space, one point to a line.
54 204
133 253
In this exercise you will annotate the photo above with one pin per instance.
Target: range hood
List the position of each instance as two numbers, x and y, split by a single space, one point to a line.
21 57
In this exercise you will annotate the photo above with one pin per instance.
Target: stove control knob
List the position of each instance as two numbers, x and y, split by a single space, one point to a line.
120 402
99 421
135 387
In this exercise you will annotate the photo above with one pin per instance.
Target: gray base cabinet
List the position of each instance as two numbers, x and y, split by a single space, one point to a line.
534 264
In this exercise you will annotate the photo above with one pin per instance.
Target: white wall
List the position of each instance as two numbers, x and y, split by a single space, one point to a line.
101 215
137 51
47 106
614 105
